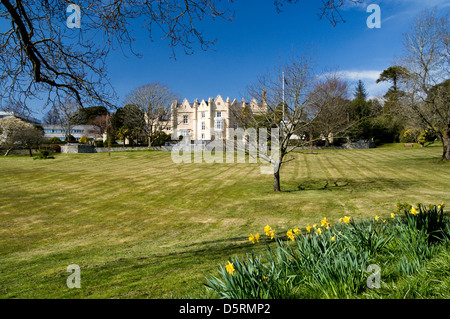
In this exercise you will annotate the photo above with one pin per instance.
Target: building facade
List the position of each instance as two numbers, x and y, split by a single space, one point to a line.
208 120
77 131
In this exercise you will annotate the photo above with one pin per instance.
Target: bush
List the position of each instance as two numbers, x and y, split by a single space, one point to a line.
160 138
409 136
55 148
84 140
53 140
98 143
427 137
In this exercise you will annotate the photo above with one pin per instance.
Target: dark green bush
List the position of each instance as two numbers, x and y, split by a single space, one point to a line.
55 148
53 140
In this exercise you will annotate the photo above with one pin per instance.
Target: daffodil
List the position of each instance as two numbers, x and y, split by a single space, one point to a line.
393 215
377 218
290 235
314 226
297 231
254 238
333 238
346 219
267 229
319 231
324 222
308 228
230 268
272 233
413 211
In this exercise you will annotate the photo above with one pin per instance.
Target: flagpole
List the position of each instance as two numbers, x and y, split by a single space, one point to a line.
283 97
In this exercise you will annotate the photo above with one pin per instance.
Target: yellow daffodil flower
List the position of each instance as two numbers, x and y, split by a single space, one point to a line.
333 238
297 231
319 231
290 235
346 219
324 222
308 228
413 211
230 268
377 217
393 215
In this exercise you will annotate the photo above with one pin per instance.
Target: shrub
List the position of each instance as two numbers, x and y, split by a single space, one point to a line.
160 138
84 140
53 140
55 148
409 136
99 144
427 137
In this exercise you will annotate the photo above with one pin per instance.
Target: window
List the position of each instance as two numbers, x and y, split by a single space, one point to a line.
203 126
219 114
203 136
203 115
218 125
185 119
185 133
235 125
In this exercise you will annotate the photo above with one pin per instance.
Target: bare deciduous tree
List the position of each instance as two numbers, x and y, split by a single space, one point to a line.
39 54
154 101
428 64
286 107
15 132
330 99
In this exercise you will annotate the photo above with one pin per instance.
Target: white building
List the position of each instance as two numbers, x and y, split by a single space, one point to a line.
208 120
77 131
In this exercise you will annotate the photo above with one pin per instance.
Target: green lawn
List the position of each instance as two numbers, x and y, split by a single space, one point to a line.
140 226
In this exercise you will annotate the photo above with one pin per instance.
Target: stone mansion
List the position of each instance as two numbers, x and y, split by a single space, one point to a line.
208 120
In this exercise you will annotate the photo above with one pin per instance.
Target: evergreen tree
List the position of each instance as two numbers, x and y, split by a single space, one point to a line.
360 91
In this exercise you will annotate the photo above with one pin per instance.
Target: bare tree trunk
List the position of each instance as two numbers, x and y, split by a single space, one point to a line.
31 152
109 145
7 151
446 143
276 177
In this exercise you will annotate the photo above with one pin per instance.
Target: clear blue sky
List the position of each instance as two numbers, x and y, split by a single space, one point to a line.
259 38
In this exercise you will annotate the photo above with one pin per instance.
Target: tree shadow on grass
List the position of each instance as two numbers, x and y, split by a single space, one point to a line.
350 185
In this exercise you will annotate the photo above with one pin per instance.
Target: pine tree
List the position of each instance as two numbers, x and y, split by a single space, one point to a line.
360 91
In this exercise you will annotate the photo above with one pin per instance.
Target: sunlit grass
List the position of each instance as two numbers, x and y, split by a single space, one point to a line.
140 226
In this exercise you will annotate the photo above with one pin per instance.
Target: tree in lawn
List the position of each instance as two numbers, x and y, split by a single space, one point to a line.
394 74
427 59
105 125
134 120
330 99
298 95
15 132
153 101
40 55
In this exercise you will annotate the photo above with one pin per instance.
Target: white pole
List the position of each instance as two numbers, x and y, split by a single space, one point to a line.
283 98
